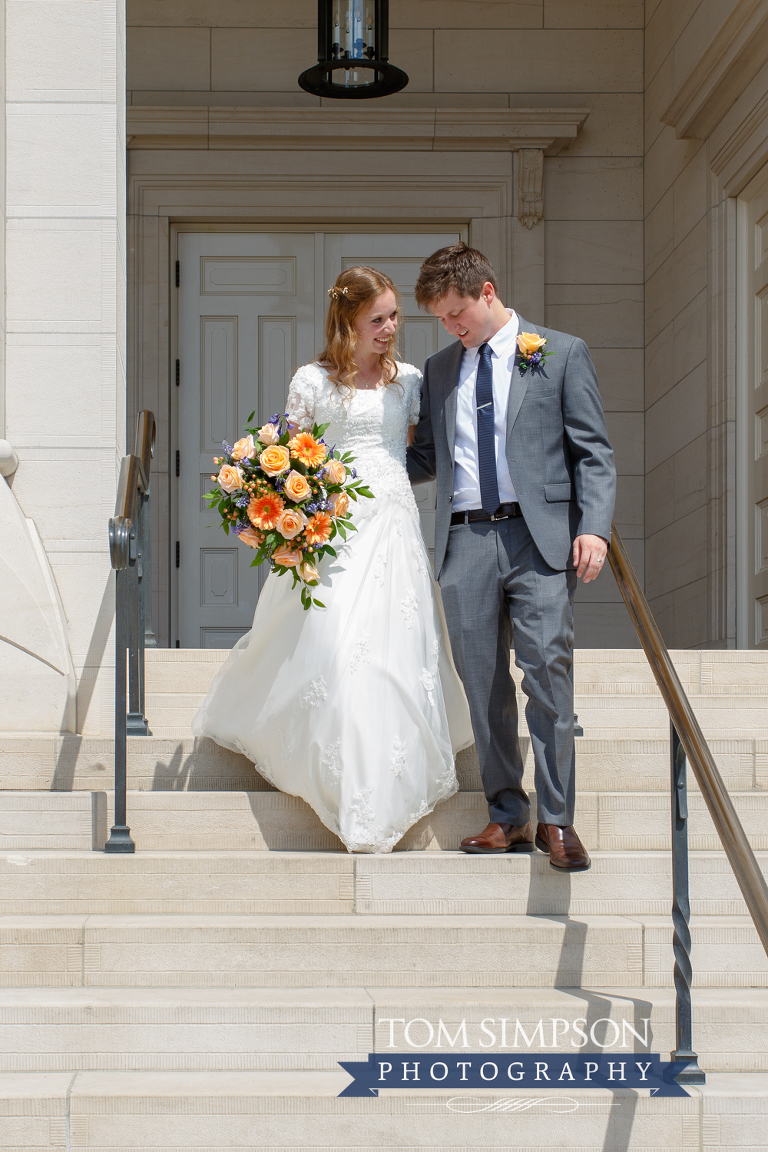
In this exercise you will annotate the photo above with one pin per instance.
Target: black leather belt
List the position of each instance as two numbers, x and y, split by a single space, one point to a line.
503 512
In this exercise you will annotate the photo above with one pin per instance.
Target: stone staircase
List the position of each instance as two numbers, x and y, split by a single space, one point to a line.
199 994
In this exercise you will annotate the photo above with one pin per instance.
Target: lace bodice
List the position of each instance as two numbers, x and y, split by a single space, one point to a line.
372 425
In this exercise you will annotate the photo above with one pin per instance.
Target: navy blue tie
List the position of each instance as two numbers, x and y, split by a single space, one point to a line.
486 440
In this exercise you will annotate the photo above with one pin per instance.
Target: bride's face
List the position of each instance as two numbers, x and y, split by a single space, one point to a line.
376 326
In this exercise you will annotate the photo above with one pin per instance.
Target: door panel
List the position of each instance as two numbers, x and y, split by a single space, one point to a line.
248 317
246 321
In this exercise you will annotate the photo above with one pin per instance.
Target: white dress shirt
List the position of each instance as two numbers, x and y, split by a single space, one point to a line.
466 478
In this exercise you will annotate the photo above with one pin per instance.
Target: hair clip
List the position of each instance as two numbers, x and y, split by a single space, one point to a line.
335 292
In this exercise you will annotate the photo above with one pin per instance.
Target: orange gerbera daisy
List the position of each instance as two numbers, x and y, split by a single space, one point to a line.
318 529
264 511
309 451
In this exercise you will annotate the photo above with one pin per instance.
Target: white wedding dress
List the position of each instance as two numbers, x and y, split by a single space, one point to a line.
356 708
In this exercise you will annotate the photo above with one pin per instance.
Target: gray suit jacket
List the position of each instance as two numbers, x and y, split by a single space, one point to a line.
559 457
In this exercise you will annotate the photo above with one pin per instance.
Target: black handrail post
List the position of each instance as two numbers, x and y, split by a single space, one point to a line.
145 450
136 724
681 915
120 835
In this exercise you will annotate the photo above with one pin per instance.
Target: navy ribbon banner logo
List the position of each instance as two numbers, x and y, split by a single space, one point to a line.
532 1070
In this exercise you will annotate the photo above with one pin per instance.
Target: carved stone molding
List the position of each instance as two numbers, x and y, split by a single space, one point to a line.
548 130
730 63
530 186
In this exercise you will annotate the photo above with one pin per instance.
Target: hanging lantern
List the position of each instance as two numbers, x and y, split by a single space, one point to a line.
352 51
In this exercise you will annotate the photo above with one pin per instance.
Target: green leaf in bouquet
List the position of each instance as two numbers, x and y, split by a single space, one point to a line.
225 526
366 492
340 527
319 603
249 418
330 551
319 429
352 493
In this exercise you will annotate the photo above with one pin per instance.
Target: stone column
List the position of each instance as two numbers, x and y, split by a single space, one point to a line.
65 309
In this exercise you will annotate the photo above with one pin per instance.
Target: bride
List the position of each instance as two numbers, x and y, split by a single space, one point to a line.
355 707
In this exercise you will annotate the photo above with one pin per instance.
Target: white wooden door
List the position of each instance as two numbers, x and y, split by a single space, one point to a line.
251 310
757 411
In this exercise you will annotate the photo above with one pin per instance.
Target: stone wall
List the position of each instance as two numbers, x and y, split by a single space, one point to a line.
65 310
523 53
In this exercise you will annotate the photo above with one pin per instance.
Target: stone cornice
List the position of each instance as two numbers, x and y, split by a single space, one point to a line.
732 60
334 129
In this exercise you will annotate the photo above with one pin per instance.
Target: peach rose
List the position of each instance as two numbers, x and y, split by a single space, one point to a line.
229 478
291 522
529 342
251 537
269 434
275 459
286 557
309 573
335 472
339 503
296 487
244 449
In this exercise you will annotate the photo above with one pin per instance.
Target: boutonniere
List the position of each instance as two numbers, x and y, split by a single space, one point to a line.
532 352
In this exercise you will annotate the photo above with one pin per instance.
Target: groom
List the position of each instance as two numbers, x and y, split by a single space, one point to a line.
525 493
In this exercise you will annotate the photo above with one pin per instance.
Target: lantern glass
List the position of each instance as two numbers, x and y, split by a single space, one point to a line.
354 29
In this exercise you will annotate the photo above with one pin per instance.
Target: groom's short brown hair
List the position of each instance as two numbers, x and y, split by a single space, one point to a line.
457 268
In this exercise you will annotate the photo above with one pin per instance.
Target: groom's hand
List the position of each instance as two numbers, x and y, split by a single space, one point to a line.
589 554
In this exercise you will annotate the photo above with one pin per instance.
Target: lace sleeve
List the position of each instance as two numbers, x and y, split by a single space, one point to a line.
300 405
413 417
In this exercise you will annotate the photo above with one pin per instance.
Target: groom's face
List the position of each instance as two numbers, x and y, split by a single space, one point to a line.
471 320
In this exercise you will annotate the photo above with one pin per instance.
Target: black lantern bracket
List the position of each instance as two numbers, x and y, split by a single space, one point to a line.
353 52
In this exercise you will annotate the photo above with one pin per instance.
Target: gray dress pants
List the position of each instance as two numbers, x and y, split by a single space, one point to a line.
498 592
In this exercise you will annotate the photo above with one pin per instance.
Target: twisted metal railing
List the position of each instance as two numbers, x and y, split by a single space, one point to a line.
129 549
687 741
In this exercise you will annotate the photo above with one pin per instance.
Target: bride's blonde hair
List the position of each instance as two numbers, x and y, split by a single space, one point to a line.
355 289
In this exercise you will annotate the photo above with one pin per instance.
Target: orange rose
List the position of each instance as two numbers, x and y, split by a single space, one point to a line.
339 503
319 528
244 449
250 537
264 511
296 487
309 573
275 459
229 478
335 472
309 451
529 342
286 557
269 434
291 522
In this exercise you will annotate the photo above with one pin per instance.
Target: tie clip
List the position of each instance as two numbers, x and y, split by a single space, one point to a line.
481 406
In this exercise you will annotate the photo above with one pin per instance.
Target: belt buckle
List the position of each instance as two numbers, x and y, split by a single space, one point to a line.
494 517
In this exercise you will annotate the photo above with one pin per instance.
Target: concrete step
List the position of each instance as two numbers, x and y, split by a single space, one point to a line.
345 951
65 763
405 883
595 670
271 1111
122 1029
259 821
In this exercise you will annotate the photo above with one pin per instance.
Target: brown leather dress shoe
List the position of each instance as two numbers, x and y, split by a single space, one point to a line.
566 851
501 838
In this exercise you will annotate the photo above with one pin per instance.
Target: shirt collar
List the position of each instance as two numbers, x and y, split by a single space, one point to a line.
502 340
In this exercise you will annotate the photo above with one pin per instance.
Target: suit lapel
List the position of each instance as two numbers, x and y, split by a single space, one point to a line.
518 385
451 384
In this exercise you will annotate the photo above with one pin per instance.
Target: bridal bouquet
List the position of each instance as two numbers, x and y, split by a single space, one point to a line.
287 497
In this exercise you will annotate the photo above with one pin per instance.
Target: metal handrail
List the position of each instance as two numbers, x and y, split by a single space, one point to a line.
687 740
129 549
